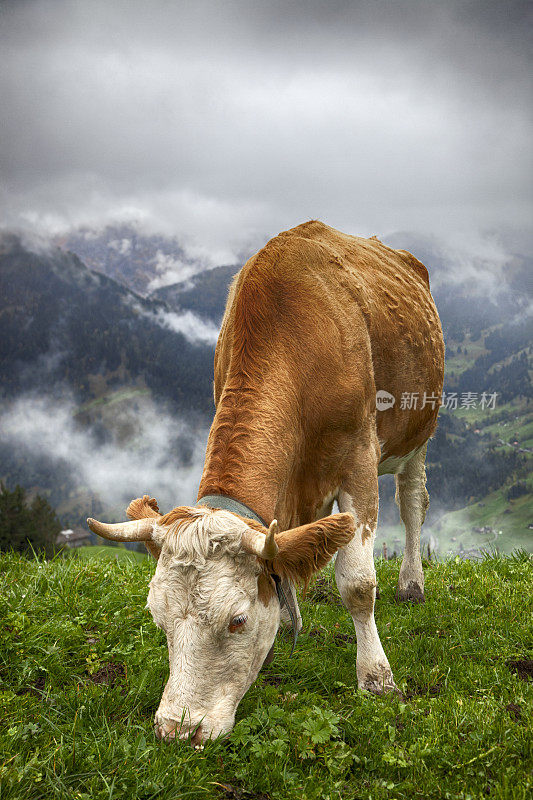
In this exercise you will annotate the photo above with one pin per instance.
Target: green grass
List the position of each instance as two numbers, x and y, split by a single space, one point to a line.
504 421
104 552
459 362
82 668
510 416
509 518
113 397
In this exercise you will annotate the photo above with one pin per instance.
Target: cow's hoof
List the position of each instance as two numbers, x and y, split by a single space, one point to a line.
411 593
379 682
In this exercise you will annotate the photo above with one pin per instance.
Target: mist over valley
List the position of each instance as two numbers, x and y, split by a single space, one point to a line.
107 387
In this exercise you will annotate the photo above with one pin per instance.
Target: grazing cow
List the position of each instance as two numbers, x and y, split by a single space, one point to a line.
317 326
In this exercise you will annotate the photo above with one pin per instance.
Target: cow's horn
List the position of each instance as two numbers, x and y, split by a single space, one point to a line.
271 549
262 546
138 530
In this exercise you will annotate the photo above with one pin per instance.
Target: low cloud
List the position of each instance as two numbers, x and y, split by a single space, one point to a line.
191 326
187 323
171 270
134 449
483 262
122 246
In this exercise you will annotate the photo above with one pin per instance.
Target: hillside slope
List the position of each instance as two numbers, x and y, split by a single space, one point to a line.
480 459
62 323
139 260
137 367
205 293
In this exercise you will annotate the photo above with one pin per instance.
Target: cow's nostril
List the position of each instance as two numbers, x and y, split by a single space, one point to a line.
169 731
166 731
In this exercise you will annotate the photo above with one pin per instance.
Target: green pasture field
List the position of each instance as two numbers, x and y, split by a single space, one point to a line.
511 517
100 551
509 520
82 667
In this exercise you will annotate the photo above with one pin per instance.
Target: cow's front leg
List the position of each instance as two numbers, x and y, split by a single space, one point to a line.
356 578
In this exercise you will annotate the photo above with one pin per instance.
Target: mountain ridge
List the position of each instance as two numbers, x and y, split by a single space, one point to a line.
82 332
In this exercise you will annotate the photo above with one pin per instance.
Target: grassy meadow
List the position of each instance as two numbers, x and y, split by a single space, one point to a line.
506 522
83 666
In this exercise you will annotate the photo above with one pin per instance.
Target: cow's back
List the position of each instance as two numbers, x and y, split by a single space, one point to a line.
351 317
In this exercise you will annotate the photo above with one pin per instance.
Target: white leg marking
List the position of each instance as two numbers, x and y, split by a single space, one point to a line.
394 464
356 578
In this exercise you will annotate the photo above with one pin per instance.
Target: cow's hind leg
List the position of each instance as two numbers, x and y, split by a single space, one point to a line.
356 576
412 500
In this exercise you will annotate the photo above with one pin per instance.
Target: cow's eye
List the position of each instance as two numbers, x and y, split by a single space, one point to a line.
237 622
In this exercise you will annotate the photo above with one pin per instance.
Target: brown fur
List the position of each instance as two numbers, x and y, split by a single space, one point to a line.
306 549
316 323
153 549
143 507
179 513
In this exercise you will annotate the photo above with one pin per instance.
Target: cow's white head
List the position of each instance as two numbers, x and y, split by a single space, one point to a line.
213 595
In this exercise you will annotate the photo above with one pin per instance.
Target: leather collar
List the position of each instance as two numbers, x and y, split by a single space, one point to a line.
226 503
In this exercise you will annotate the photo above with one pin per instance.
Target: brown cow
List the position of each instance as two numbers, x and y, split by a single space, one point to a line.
317 324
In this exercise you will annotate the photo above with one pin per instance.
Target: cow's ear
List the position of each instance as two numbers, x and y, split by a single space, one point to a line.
154 549
305 550
141 508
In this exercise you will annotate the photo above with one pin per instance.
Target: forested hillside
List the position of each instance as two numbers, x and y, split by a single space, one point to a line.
205 293
62 323
136 372
102 390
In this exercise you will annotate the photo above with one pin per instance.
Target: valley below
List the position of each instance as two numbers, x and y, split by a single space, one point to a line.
107 387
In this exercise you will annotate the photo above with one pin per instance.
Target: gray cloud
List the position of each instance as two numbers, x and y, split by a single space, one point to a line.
189 324
223 123
139 455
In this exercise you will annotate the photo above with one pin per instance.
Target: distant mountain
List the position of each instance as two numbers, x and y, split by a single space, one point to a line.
137 372
153 266
204 293
138 260
63 324
473 292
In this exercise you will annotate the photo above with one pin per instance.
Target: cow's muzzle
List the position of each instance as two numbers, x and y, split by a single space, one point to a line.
170 730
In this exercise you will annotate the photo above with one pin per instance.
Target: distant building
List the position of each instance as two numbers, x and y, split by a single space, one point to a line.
74 537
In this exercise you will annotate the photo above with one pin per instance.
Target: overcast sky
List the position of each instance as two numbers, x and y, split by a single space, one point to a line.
225 122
